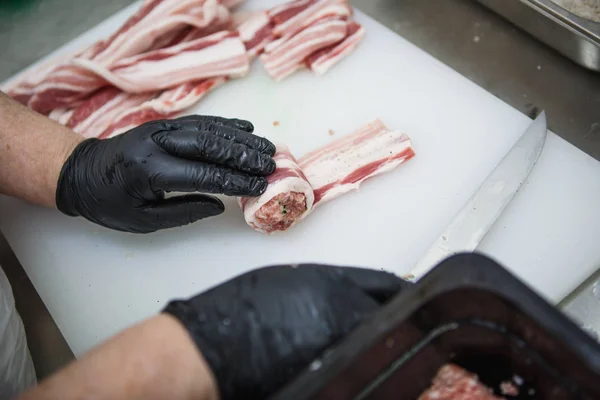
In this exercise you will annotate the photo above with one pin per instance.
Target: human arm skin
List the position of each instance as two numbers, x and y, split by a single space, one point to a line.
33 149
121 182
241 340
156 359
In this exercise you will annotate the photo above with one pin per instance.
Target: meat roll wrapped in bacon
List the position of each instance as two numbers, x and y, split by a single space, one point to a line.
288 199
298 186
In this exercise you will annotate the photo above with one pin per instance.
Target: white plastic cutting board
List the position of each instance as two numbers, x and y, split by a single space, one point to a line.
96 282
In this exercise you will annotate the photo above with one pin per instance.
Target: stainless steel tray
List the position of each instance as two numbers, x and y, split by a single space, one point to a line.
576 38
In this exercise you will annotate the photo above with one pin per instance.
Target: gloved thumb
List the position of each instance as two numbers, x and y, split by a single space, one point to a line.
182 210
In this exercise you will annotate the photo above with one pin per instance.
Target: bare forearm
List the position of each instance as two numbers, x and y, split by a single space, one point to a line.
153 360
33 149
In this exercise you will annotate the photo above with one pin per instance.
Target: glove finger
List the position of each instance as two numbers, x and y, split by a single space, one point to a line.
220 121
379 285
181 210
255 142
230 131
181 175
203 146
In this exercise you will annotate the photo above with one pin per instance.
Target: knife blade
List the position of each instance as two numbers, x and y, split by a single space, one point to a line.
471 224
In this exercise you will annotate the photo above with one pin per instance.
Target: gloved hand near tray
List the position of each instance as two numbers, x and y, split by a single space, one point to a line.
243 339
259 330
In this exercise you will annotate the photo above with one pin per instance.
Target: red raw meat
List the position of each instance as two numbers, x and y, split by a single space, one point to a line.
288 198
454 383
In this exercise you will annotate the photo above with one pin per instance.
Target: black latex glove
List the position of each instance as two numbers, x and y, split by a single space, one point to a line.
121 182
259 330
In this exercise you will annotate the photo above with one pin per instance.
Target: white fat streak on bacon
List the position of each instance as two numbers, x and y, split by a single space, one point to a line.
344 164
27 82
280 73
290 55
222 22
184 96
170 27
61 115
25 87
226 57
104 116
165 16
288 177
232 3
57 88
168 104
334 9
255 30
35 75
321 64
63 87
301 19
155 21
291 4
275 43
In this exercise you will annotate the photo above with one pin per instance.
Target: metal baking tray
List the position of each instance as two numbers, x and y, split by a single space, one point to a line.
576 38
469 311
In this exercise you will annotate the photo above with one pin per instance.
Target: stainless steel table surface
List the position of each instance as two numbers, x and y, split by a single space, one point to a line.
461 33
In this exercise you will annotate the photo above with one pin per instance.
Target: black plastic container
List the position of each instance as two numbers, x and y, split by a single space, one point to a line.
470 311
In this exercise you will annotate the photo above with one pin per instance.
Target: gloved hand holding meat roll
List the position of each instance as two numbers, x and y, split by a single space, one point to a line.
121 182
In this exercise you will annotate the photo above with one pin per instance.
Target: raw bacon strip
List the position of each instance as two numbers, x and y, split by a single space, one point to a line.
22 89
155 23
288 57
330 171
64 86
321 61
292 17
166 105
288 199
256 31
344 164
221 22
61 115
324 9
98 112
25 87
220 54
92 105
293 39
154 19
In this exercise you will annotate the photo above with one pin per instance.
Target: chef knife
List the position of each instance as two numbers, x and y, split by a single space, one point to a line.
471 224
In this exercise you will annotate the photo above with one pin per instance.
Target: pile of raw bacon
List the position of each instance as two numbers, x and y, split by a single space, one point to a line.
170 53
